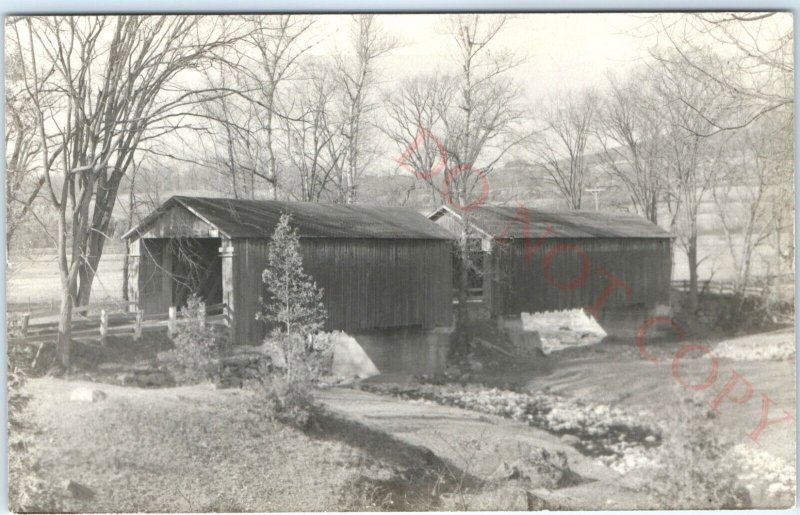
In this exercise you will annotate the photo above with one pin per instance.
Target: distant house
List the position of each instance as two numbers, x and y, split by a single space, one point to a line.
534 260
380 267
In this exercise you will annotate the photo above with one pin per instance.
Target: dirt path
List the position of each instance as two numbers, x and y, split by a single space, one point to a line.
482 445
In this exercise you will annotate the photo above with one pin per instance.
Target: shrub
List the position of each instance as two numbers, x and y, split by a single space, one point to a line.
196 349
288 401
297 364
693 467
300 359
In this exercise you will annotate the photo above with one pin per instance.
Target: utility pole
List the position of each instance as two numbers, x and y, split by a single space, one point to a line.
595 191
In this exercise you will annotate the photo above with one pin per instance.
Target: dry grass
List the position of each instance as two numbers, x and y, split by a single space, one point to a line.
34 279
185 449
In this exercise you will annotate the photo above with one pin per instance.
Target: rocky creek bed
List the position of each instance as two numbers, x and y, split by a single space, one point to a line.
595 430
624 440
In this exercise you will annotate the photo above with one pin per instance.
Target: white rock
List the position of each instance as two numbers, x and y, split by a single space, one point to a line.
84 394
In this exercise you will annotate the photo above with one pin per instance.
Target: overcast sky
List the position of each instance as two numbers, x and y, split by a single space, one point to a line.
561 50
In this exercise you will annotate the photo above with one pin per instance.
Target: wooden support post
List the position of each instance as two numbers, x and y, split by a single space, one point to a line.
226 315
172 322
134 262
25 319
227 255
137 328
103 326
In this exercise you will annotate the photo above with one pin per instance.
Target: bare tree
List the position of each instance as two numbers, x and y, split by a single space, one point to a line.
131 220
561 148
476 120
100 88
358 77
691 167
631 135
415 111
243 147
235 141
23 182
749 200
280 41
315 147
755 71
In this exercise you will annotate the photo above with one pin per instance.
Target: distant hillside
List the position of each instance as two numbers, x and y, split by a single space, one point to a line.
514 182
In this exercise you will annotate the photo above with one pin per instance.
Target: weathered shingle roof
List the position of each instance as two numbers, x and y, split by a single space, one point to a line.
510 222
257 218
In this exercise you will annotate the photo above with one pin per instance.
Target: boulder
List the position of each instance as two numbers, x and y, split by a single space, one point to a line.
245 364
78 491
534 466
85 394
149 378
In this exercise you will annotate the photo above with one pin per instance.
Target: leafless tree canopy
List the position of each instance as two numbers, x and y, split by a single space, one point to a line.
99 89
756 68
562 147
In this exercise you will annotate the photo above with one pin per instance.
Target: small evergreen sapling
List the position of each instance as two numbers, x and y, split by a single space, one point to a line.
294 302
293 307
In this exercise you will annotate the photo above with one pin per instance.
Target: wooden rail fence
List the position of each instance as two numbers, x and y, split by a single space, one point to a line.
720 287
108 323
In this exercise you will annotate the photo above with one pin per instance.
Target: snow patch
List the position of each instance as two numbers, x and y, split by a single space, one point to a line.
777 346
560 330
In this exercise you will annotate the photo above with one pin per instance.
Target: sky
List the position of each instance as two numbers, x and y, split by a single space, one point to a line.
560 50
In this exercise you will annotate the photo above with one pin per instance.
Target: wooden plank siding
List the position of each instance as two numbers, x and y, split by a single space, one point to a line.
519 284
155 288
179 222
368 283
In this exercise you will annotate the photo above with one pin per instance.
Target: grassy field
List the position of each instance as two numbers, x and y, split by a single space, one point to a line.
35 280
186 449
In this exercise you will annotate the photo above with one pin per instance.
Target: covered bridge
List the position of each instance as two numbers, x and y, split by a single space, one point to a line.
380 267
530 260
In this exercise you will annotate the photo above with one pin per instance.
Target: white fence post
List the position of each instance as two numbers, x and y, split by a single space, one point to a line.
171 323
137 328
25 319
103 326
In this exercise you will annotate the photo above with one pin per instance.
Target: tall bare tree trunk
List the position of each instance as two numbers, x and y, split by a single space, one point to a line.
691 254
652 210
63 343
462 311
68 276
126 259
